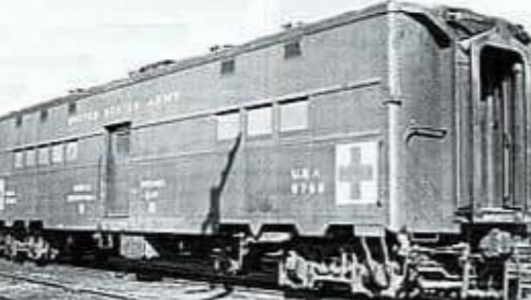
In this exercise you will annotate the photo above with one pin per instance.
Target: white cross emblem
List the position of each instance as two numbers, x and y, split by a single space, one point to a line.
357 173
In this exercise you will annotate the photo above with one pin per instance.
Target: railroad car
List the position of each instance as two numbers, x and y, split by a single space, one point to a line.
383 150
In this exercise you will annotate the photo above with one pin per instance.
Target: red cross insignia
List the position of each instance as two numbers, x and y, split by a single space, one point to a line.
357 173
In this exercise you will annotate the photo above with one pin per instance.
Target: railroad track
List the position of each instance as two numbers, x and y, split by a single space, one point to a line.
82 283
185 271
183 289
70 288
195 283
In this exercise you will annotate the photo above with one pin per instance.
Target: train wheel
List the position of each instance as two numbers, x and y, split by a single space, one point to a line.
102 255
144 274
40 250
7 246
70 250
294 271
14 251
2 243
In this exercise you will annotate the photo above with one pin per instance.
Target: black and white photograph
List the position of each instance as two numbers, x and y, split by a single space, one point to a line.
265 150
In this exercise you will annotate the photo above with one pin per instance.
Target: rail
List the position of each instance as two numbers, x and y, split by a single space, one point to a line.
67 287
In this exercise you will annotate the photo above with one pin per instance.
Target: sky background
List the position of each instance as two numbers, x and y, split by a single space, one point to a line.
52 46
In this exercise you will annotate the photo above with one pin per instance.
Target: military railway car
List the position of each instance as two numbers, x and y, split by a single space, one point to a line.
386 150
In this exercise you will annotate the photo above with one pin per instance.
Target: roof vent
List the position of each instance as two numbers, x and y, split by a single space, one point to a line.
151 67
77 91
156 65
291 25
287 26
218 48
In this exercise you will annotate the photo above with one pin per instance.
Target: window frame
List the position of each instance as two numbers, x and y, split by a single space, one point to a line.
30 157
293 49
53 159
227 66
283 105
67 153
122 141
238 125
19 121
72 108
248 119
18 159
43 115
114 138
44 149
